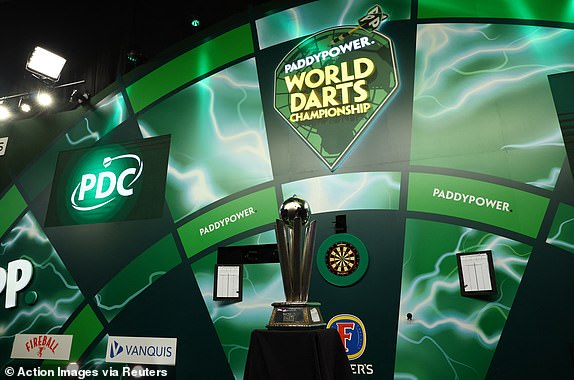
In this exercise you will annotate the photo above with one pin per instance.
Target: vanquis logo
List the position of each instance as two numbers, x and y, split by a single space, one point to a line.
106 186
115 349
330 86
108 183
141 350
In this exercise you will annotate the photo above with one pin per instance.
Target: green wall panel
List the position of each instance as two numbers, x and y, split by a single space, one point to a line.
483 202
218 141
137 276
482 103
85 328
556 10
237 216
195 63
12 204
562 231
450 336
349 191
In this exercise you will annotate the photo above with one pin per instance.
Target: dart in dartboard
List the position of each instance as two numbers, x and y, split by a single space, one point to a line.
370 21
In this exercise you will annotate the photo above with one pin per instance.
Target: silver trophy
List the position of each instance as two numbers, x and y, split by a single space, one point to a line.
295 242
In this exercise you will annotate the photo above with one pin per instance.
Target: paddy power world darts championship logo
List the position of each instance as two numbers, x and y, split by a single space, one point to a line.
330 86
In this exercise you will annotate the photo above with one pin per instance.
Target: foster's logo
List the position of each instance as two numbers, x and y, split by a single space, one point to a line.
352 332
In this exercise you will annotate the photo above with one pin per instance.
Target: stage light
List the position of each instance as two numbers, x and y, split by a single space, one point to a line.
24 106
44 99
136 57
79 98
5 113
195 20
45 64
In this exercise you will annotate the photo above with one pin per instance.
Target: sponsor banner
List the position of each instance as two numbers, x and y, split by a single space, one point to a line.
42 346
354 337
352 332
115 182
15 278
230 219
141 350
3 144
484 202
329 87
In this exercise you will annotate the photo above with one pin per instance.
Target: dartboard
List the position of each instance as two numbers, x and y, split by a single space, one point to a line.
342 258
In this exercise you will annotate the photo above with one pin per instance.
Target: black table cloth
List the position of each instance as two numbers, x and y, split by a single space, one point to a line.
297 355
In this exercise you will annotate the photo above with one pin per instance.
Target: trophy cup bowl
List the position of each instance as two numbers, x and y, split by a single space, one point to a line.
295 234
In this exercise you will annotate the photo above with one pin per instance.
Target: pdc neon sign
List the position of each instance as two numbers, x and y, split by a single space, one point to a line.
104 187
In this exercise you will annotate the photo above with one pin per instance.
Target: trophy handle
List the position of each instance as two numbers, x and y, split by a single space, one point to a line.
296 258
307 260
281 235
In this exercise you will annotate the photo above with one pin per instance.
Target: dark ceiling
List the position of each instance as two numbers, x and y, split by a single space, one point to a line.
95 37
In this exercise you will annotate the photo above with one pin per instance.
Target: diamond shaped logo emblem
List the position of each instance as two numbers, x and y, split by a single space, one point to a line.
331 86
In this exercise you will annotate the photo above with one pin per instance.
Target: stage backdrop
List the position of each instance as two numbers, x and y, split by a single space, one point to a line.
415 130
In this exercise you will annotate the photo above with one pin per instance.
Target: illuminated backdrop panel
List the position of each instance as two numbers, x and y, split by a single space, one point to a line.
473 115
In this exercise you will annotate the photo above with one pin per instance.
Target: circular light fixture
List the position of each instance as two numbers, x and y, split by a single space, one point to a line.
44 99
24 106
5 113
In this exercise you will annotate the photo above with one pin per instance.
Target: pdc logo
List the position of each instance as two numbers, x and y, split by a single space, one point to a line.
352 332
110 183
106 186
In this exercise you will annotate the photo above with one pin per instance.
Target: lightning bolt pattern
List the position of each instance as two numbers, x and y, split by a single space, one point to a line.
354 191
301 21
262 285
471 77
450 336
561 233
219 144
58 295
468 77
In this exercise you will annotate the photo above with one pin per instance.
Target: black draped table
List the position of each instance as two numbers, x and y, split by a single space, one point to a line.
297 355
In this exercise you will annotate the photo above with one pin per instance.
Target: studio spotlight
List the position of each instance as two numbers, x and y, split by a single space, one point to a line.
5 113
44 99
24 106
45 64
79 97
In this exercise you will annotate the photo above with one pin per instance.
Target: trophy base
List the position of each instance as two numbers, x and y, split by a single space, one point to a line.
293 315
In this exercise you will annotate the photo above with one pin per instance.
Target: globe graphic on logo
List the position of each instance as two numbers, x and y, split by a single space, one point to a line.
295 207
